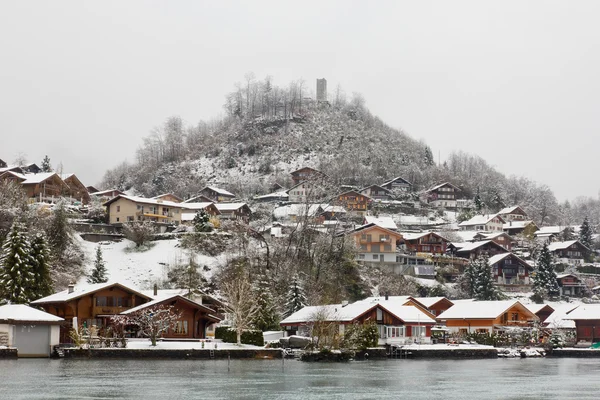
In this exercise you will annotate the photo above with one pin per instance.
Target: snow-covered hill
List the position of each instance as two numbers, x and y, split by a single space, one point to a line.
143 268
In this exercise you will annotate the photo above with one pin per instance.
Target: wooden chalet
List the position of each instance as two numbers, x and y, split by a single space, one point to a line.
587 322
194 320
486 316
474 249
376 244
216 194
510 272
306 174
435 305
90 305
397 322
105 195
571 285
514 213
398 184
76 189
45 186
486 223
234 211
31 168
169 197
425 242
520 227
189 210
354 201
501 238
542 311
442 195
377 192
198 199
571 252
91 189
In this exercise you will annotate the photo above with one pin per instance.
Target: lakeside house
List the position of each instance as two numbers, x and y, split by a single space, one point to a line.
33 332
587 322
397 322
510 272
486 316
570 285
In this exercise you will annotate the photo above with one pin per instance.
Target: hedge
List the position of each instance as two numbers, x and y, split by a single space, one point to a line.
229 335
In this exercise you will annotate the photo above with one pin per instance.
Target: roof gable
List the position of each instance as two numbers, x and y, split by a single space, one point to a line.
482 310
373 226
64 296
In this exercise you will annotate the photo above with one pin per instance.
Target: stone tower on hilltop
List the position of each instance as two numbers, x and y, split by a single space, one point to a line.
321 90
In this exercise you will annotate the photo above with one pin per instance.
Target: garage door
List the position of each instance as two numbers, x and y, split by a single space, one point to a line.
32 340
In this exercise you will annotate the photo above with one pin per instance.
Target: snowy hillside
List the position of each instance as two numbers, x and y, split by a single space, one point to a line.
143 269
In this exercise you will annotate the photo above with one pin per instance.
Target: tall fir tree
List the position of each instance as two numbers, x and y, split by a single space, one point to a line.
585 234
201 221
544 284
295 299
40 256
484 288
16 267
266 318
46 166
98 274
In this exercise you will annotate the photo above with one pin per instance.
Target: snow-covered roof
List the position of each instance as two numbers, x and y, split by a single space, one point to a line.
80 291
480 220
558 319
509 210
229 206
467 236
517 224
548 230
396 179
24 313
470 246
348 313
478 309
561 245
497 258
220 191
100 193
31 179
418 220
195 206
585 311
334 209
276 195
384 222
310 210
535 308
441 185
65 176
168 297
144 200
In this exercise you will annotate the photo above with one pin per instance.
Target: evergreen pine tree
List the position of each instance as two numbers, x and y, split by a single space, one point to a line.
468 280
478 202
98 274
41 267
295 299
484 288
266 318
201 222
545 283
16 267
585 234
46 166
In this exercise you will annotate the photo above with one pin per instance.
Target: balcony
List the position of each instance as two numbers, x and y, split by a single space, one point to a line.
107 310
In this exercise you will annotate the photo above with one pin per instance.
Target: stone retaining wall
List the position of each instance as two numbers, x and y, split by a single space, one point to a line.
575 353
176 354
449 353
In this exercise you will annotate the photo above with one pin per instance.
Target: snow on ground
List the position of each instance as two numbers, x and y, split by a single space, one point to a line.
142 269
145 344
443 346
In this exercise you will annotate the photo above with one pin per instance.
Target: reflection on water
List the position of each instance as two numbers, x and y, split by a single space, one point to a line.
411 379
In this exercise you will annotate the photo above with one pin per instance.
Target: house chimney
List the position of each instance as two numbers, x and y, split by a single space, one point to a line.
71 287
387 297
155 289
344 303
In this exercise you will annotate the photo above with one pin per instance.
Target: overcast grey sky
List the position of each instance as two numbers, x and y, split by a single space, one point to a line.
516 82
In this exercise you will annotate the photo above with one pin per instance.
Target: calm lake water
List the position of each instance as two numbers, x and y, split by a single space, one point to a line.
261 379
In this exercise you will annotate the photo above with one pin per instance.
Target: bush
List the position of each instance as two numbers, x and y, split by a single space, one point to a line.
228 335
361 336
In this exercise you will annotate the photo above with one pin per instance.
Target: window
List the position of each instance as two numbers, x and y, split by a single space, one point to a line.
363 247
418 331
387 247
379 314
481 330
361 256
118 208
130 219
514 316
181 328
117 219
375 257
395 331
101 301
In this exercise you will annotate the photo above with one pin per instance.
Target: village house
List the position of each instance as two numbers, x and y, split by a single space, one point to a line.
306 174
76 189
199 199
91 189
216 194
501 238
383 221
194 321
169 197
299 212
473 250
375 244
105 195
526 227
486 223
442 195
90 305
3 163
397 184
42 187
189 211
275 197
486 316
587 322
354 201
542 311
548 234
122 209
33 332
397 323
377 192
571 252
307 185
332 213
514 213
424 242
234 211
510 272
571 285
435 305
